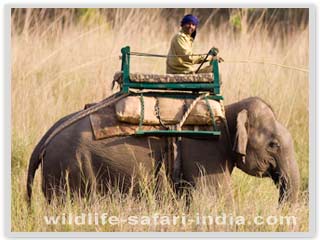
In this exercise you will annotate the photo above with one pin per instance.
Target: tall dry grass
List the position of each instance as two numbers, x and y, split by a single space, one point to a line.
56 70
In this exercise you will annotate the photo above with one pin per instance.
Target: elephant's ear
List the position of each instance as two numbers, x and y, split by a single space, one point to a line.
241 139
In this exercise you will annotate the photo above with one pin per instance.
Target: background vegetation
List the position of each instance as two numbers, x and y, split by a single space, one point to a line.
64 58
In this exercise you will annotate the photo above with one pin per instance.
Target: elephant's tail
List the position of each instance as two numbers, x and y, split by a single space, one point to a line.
35 160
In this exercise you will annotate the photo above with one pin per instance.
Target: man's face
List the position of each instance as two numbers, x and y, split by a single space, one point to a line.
188 28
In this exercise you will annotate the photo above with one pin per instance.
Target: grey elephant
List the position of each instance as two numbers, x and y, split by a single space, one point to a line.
256 143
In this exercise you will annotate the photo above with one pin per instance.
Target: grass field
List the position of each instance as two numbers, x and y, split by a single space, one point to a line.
57 70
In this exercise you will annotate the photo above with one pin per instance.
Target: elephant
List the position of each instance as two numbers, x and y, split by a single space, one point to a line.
252 139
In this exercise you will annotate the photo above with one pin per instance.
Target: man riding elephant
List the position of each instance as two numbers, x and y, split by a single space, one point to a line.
180 58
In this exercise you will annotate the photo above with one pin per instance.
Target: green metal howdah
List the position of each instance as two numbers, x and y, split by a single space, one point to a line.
194 91
213 87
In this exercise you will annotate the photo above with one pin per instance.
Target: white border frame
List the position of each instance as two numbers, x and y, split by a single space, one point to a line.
312 127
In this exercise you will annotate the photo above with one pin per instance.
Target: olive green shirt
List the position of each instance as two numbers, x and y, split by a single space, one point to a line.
181 44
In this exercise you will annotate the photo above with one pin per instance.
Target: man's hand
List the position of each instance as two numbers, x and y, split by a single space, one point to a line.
210 58
220 59
213 55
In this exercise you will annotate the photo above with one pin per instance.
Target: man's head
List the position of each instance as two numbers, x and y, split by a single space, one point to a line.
189 24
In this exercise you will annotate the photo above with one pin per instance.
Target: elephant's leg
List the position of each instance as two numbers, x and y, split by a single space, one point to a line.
65 169
48 187
81 179
53 180
221 187
71 175
205 164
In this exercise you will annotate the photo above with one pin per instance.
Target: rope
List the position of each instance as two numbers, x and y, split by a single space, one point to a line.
270 63
187 113
226 61
163 56
157 111
211 114
141 111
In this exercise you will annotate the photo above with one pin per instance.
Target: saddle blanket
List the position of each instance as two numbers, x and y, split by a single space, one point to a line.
105 124
134 109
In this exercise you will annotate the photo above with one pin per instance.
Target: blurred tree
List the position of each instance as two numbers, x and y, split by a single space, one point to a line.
288 18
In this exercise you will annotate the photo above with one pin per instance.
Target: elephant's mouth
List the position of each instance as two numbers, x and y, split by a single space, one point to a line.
258 165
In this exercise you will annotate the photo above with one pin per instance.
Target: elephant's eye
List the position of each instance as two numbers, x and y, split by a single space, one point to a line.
274 144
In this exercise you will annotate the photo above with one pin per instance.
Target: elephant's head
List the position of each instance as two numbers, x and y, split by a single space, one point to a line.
263 147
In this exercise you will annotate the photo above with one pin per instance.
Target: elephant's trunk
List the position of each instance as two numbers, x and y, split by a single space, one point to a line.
289 176
289 183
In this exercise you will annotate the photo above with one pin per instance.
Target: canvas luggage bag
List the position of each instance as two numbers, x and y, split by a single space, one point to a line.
170 110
